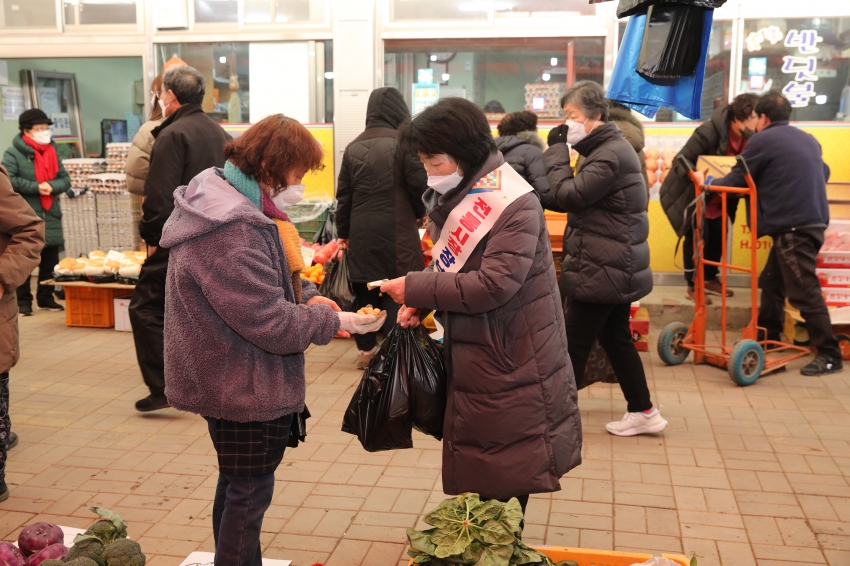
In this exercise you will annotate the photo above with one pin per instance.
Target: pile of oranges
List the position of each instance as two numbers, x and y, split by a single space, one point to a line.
314 273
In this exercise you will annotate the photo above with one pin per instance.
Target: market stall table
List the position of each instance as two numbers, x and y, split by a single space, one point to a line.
91 304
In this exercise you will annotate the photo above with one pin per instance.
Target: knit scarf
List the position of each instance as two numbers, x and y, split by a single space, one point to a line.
46 166
289 237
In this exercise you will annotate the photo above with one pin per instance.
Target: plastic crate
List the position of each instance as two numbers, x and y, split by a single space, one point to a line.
590 557
90 306
308 229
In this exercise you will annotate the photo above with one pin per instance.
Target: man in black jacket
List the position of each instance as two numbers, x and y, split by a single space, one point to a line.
187 142
790 176
379 199
725 133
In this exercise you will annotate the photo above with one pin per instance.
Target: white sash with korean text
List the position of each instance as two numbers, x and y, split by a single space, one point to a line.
475 216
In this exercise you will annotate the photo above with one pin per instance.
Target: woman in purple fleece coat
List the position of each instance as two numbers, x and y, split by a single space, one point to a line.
238 318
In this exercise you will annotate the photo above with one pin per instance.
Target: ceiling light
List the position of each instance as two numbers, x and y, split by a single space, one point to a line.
820 99
445 76
553 61
546 76
433 57
222 59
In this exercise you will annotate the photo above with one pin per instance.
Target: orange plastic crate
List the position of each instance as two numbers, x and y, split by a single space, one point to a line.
590 557
91 306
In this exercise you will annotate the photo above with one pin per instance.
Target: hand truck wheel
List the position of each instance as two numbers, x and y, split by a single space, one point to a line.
670 348
746 362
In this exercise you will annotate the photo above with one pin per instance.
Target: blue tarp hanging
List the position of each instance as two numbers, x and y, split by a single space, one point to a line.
646 95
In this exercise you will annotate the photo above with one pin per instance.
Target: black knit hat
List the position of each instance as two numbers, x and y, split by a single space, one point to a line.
31 117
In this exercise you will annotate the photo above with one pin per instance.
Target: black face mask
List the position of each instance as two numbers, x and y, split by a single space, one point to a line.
747 133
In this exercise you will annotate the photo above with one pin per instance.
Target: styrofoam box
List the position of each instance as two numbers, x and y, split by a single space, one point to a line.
122 314
836 296
208 559
833 277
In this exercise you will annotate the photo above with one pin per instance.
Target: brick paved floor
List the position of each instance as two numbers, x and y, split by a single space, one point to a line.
741 477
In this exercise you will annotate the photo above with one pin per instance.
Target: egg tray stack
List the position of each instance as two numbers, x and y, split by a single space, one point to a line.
116 156
81 169
118 215
79 224
551 92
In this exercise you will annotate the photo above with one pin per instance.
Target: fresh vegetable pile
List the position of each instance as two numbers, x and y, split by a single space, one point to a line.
469 531
105 543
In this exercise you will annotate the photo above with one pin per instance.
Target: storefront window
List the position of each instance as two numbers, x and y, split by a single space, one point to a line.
282 11
248 81
499 75
481 9
28 14
807 59
99 12
216 11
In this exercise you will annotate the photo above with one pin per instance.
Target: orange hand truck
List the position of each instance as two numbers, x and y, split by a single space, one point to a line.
749 357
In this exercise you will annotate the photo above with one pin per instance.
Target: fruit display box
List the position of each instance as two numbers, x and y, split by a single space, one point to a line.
833 277
639 325
836 296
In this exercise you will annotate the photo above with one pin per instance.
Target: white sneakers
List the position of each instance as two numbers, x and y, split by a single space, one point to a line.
637 423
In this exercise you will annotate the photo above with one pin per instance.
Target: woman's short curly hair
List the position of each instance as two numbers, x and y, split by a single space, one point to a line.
517 122
272 148
454 126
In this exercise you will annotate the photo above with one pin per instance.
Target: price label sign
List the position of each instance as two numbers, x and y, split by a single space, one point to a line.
307 254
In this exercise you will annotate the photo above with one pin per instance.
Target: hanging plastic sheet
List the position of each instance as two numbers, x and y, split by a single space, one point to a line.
672 41
647 95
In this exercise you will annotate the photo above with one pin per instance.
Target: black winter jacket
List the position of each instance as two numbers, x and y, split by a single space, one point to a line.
790 176
187 142
606 255
677 190
527 160
379 195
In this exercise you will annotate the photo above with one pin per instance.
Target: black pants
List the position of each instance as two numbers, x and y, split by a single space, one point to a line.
147 312
712 249
366 342
5 422
790 272
588 322
44 293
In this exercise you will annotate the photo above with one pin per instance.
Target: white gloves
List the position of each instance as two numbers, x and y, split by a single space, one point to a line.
361 323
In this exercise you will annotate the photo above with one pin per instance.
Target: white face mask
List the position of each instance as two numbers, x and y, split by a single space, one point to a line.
43 137
444 183
292 194
162 107
575 131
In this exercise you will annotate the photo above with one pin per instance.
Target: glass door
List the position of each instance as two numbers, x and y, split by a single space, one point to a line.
56 95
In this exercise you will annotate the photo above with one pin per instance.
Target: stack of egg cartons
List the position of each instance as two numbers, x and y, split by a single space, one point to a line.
79 215
118 212
116 156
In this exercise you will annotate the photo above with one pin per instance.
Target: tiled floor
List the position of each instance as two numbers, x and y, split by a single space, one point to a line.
755 476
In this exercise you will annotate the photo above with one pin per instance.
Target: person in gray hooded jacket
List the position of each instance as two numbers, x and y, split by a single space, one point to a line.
606 256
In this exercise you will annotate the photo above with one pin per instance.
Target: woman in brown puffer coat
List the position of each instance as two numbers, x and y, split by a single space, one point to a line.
139 156
512 424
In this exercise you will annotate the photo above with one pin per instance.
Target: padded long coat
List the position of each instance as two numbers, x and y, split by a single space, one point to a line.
379 195
512 423
606 255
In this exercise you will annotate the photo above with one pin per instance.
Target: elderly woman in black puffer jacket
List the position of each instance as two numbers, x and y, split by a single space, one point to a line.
606 256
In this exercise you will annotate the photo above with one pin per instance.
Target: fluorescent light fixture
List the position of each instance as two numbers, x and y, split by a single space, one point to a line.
553 61
433 57
445 76
503 5
222 59
820 99
329 75
546 76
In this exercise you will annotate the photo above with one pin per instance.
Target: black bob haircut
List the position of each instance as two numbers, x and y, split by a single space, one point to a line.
454 126
775 106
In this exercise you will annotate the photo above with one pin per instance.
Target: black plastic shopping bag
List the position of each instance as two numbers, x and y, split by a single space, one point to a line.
404 387
337 284
327 231
422 361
